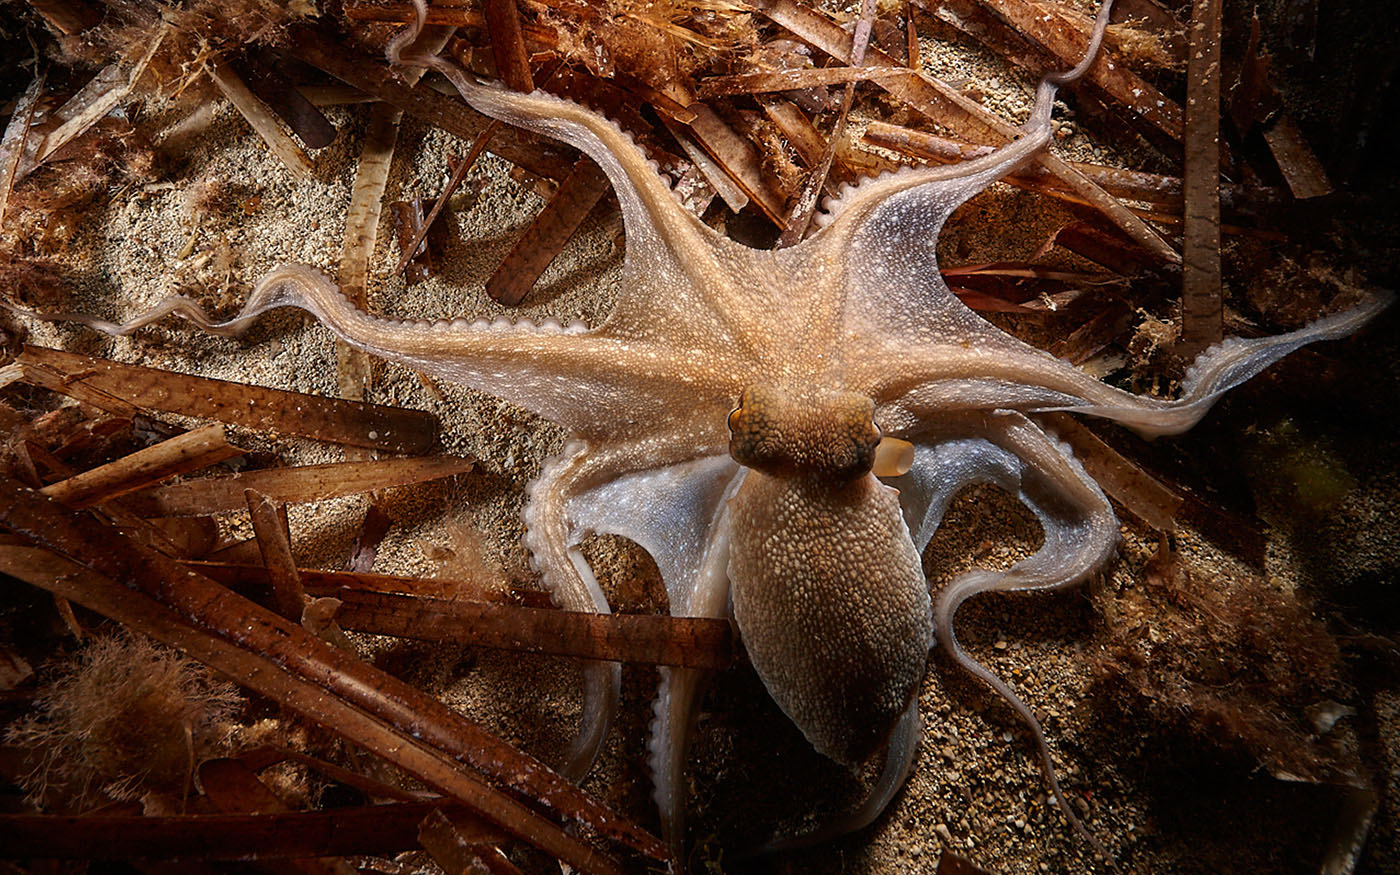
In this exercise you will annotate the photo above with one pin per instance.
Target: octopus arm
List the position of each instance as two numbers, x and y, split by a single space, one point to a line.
915 202
943 469
657 225
1218 370
671 512
1081 532
931 381
677 513
598 385
611 489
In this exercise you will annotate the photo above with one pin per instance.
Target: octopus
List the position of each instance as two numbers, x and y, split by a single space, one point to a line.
782 431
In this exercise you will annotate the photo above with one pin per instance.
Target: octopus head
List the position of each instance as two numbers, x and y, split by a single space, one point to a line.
828 434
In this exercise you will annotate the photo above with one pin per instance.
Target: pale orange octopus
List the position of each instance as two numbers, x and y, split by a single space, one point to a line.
782 431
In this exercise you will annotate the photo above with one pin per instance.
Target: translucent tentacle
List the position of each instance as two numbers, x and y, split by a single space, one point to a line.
676 512
576 377
1081 533
571 583
939 380
899 762
1223 367
673 713
672 506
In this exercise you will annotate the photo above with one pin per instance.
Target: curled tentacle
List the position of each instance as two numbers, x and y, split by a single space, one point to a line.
940 379
291 285
1081 534
575 377
1225 366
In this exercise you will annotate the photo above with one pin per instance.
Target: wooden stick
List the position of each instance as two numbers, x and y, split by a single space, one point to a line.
287 150
1202 319
267 653
369 829
300 483
136 388
658 640
269 520
547 233
187 452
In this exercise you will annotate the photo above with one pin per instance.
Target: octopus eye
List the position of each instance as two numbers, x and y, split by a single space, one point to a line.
733 420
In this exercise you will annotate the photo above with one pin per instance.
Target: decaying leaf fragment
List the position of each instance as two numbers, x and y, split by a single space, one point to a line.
653 639
287 150
1228 657
335 832
545 237
1202 322
178 455
211 495
281 660
133 387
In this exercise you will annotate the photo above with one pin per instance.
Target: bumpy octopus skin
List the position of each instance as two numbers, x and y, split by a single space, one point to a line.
730 417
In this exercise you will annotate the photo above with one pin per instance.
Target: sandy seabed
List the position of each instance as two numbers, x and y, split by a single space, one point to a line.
1166 799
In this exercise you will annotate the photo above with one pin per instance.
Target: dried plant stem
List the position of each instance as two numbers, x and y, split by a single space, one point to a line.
287 150
459 173
13 142
212 495
1301 169
370 829
769 81
1137 491
458 845
260 758
353 368
738 158
1127 184
178 455
708 168
415 731
243 577
508 45
547 233
657 640
1202 321
800 215
127 390
269 520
